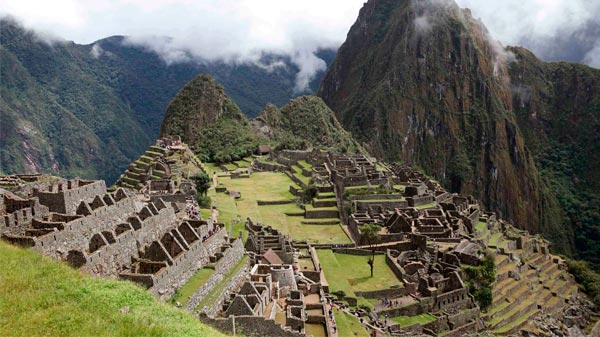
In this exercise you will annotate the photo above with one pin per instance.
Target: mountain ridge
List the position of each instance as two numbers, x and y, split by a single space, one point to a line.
106 94
429 81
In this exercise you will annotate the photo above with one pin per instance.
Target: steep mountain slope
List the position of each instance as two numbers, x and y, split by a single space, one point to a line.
423 82
209 121
212 124
303 123
558 109
70 109
57 115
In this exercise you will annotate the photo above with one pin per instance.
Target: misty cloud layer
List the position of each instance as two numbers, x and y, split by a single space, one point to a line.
241 31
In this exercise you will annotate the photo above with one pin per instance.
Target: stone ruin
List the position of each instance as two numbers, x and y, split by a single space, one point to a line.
161 172
275 299
110 234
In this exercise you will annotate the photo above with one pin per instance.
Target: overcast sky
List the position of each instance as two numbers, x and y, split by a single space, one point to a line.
237 30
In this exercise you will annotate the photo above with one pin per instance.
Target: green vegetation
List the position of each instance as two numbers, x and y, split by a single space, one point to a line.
202 182
481 278
218 289
271 186
307 122
411 320
347 273
588 279
183 294
348 325
41 297
369 233
92 116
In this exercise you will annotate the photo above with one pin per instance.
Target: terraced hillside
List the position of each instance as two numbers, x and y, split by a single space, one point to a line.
160 163
528 281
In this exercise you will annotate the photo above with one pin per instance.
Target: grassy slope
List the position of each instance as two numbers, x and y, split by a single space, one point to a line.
40 297
351 273
348 325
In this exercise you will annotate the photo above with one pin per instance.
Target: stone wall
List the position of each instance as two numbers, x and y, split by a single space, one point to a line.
363 206
418 201
383 293
250 326
259 165
76 234
229 260
65 196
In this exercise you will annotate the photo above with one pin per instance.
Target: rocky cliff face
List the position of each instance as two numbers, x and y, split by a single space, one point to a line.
424 83
557 106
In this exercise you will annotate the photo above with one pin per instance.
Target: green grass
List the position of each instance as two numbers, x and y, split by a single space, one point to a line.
351 273
494 239
243 163
205 213
211 167
41 297
480 226
217 290
410 320
326 195
305 164
348 325
271 186
230 167
429 205
194 283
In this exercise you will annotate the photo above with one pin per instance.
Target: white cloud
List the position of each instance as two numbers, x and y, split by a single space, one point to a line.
592 57
230 30
241 30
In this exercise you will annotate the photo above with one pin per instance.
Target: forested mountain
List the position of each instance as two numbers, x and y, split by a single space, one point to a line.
424 82
89 110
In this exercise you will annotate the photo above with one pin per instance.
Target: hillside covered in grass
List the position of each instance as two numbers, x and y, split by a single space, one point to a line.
40 297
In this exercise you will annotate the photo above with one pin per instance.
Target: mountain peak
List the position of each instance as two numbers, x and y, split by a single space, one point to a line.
200 103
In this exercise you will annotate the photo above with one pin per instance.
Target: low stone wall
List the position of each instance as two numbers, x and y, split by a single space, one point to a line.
250 326
322 214
295 179
384 293
269 167
229 260
232 284
422 305
295 191
393 265
355 251
418 201
274 202
363 206
286 161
